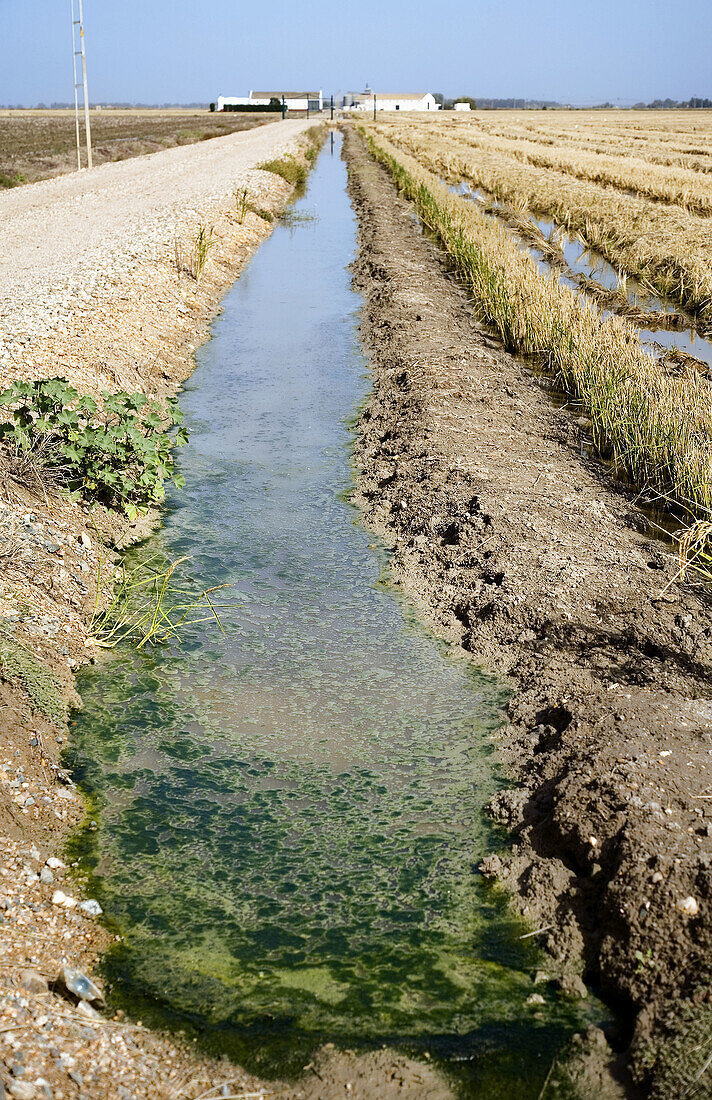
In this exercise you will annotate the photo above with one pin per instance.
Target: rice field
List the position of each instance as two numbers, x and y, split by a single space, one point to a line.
595 178
650 415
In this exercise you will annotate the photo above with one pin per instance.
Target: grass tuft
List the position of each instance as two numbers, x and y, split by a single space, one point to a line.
148 605
289 168
203 244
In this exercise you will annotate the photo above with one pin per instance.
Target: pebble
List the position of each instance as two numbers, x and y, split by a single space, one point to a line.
33 982
22 1090
688 906
91 907
573 986
55 863
535 999
65 900
46 876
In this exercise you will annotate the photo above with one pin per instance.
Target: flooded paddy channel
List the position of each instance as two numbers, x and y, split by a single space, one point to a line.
580 259
289 815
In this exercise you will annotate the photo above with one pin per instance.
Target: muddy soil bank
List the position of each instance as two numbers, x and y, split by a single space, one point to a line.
526 553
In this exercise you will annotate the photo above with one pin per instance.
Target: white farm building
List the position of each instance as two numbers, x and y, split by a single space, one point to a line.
293 101
390 101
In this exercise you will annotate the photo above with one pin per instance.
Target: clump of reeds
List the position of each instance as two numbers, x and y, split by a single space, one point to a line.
695 550
289 168
203 243
242 204
148 605
315 139
655 427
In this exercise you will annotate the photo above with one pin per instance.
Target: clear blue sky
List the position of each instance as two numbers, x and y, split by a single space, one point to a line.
579 51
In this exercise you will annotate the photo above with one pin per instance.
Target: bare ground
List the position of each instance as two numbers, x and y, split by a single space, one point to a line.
529 555
37 144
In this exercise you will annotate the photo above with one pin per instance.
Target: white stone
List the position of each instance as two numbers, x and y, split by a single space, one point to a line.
22 1090
91 907
66 901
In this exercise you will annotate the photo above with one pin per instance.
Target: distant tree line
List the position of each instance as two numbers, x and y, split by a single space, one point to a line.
668 104
274 105
497 104
695 103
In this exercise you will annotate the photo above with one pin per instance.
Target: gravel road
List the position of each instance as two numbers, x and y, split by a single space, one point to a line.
67 236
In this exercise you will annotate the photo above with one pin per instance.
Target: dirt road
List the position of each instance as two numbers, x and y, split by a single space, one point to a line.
69 237
529 555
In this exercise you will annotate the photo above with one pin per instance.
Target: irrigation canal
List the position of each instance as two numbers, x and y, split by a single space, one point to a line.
289 816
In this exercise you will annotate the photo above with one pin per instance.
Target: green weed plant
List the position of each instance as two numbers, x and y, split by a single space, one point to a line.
203 243
149 605
119 453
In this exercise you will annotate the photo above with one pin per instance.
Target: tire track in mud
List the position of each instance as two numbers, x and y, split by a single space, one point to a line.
543 568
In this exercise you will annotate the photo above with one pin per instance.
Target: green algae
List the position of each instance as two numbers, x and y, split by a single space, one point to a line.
682 1058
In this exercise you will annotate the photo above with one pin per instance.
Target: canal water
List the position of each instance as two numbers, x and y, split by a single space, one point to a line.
288 816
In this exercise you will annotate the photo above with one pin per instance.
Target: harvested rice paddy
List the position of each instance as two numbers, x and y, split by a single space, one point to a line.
586 241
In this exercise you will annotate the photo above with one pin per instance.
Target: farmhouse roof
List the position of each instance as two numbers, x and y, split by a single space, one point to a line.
397 95
287 95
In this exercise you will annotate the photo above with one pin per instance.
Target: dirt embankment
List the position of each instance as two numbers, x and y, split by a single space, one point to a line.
525 552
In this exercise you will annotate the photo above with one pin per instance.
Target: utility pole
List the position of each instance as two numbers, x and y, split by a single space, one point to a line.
76 88
284 109
374 106
332 107
80 53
